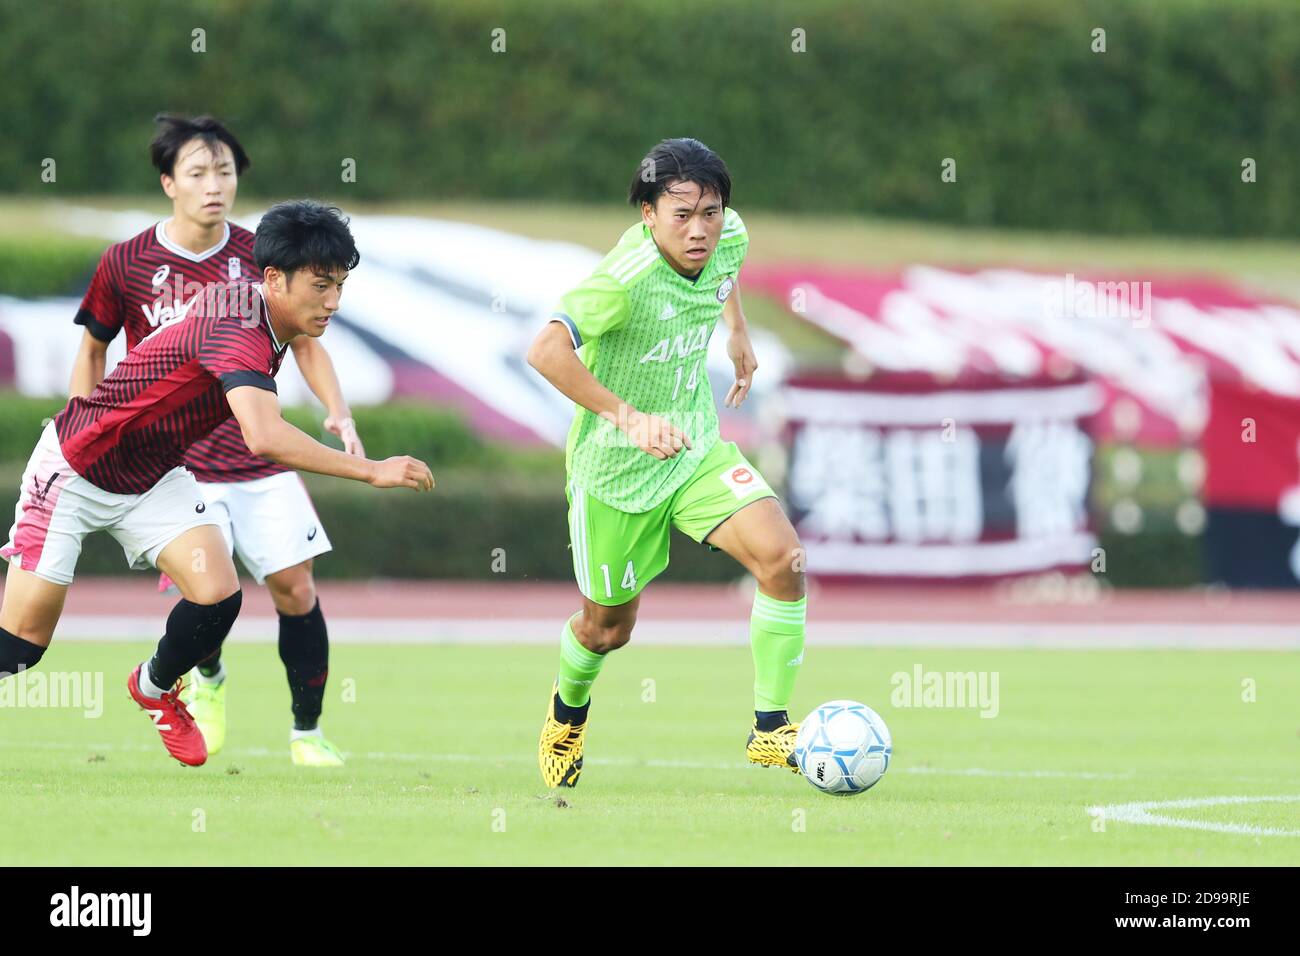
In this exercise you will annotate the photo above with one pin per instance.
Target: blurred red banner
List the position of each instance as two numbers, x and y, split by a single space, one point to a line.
899 477
1151 343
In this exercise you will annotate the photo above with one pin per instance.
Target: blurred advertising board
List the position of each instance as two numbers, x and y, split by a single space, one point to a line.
903 477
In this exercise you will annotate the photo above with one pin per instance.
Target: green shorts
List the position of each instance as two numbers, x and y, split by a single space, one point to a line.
616 554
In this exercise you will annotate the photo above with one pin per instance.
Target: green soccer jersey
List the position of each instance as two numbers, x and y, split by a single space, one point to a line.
643 331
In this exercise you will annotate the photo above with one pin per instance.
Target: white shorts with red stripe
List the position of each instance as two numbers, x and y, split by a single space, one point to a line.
269 522
57 508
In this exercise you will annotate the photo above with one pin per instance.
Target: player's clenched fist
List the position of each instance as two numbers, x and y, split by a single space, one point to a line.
402 471
655 436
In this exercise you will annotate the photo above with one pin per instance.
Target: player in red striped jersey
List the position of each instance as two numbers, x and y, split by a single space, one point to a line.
113 460
262 507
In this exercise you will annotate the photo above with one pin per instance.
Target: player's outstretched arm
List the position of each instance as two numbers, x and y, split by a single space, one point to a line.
270 436
739 350
553 355
318 370
88 366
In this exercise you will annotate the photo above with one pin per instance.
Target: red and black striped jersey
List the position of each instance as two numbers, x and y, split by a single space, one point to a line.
144 283
169 392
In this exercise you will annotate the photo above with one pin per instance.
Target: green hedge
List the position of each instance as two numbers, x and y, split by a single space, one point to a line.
1148 136
21 421
433 434
455 532
47 265
487 497
1153 559
491 497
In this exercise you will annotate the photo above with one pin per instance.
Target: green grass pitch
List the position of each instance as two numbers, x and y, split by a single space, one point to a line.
441 742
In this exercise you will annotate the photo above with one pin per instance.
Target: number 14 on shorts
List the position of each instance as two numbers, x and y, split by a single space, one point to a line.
628 583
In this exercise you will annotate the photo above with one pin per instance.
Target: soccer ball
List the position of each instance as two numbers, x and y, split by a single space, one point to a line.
843 748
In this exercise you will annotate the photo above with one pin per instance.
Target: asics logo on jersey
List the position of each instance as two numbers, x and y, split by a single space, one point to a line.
160 276
680 346
164 315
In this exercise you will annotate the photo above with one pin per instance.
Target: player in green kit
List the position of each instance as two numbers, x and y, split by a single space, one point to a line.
628 346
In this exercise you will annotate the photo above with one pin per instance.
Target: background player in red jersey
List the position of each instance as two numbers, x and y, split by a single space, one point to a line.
113 460
262 508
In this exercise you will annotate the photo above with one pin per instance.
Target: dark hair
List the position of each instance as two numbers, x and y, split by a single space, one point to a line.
304 234
175 131
675 161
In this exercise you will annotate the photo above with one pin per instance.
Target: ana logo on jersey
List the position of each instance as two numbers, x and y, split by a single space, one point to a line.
679 346
724 290
161 275
233 267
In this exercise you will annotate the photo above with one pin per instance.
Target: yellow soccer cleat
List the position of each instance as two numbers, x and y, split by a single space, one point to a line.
773 748
559 752
314 752
207 705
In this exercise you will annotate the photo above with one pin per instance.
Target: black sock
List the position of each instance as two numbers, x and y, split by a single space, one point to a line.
769 720
211 664
17 654
194 632
571 715
305 650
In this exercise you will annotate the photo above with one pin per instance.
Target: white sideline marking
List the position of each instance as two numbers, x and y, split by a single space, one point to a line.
268 752
357 630
1064 774
1138 813
606 761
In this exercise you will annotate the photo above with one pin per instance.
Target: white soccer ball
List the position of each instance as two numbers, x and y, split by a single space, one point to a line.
843 748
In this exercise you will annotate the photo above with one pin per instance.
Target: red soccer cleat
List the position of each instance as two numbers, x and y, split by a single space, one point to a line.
179 733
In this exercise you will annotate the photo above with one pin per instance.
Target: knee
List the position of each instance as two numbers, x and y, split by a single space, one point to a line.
602 637
293 596
780 571
211 591
216 582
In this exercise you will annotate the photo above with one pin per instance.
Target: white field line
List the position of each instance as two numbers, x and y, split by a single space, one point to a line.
355 630
1137 813
1140 813
402 757
92 747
